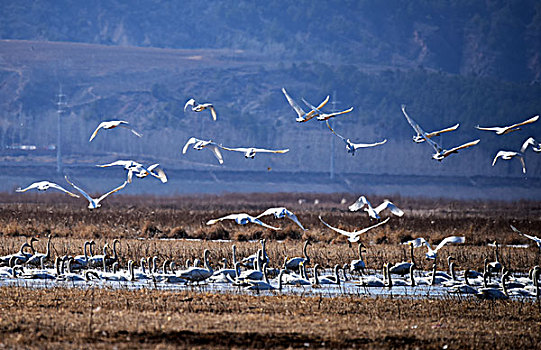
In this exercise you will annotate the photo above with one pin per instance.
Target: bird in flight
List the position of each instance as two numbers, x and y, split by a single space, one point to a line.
303 116
111 125
443 153
94 203
44 186
501 130
433 253
363 203
200 144
282 212
355 235
249 152
421 134
507 155
196 107
352 147
242 219
325 116
138 169
536 146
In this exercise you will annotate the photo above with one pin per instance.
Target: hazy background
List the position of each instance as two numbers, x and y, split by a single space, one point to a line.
448 61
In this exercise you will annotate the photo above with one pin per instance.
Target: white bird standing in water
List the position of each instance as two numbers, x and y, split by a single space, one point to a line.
249 152
111 125
200 144
303 116
433 253
197 107
242 219
507 155
355 235
282 212
44 186
352 147
363 203
501 130
94 203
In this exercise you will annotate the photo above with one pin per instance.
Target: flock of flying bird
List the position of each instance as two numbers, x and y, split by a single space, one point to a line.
252 279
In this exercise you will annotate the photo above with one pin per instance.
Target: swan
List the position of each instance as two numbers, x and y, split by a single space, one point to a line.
443 153
242 219
111 125
494 293
197 274
98 260
200 144
94 203
255 274
133 167
508 155
433 253
402 268
225 271
352 147
303 116
494 266
81 261
261 254
501 130
44 186
114 258
198 107
325 116
536 146
250 152
282 212
355 235
265 284
358 265
421 134
536 239
363 203
39 258
294 263
334 279
20 255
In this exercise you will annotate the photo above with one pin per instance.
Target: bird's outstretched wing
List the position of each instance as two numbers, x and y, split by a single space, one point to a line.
190 142
489 128
190 102
413 124
132 130
60 188
353 236
457 148
527 121
86 195
417 242
366 145
343 232
124 163
439 132
157 172
360 203
326 116
451 239
30 187
534 238
388 204
263 150
334 132
112 191
96 131
280 213
300 112
213 113
536 146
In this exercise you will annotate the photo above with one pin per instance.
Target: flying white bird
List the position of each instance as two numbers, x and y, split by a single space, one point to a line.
303 116
536 239
443 153
355 235
507 155
363 203
421 134
111 125
536 146
249 152
94 203
44 186
196 107
282 213
433 253
242 219
501 130
138 169
352 147
200 144
324 116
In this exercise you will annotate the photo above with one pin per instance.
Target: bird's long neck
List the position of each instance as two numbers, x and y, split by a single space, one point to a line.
452 270
48 252
234 255
433 274
304 252
412 277
316 277
280 280
389 279
412 255
336 267
84 249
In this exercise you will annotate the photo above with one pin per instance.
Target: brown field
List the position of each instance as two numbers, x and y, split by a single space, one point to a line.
104 318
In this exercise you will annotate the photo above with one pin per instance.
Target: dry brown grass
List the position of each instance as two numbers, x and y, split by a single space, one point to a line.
100 318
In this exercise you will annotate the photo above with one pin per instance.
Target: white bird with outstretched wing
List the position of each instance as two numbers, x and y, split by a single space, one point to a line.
355 235
199 107
242 219
501 130
352 147
303 116
281 212
44 186
200 144
111 125
94 203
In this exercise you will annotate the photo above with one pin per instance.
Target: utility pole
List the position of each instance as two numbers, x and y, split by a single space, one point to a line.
331 163
60 109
